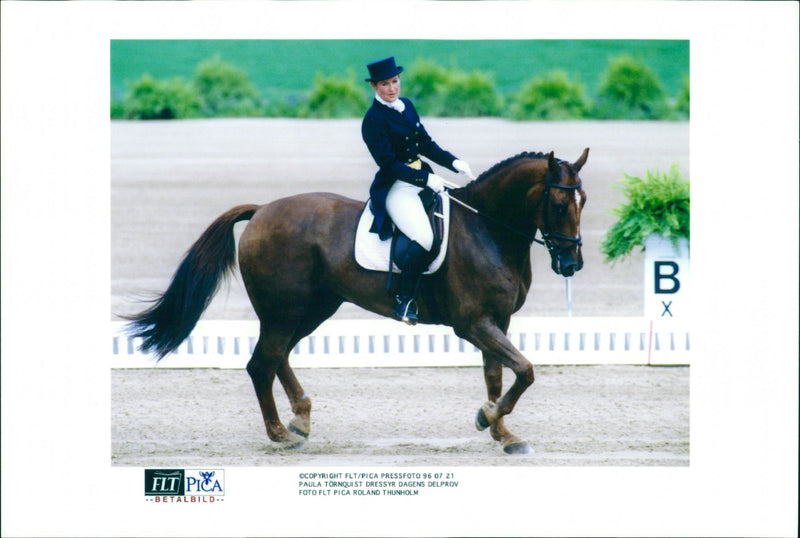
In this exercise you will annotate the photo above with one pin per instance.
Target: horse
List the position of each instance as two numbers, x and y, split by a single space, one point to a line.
296 261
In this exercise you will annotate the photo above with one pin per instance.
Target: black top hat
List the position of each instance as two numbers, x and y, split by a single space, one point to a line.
383 69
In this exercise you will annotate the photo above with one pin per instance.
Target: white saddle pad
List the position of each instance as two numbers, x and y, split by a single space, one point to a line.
373 254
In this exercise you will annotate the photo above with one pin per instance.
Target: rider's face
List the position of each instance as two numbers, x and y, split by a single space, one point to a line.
389 89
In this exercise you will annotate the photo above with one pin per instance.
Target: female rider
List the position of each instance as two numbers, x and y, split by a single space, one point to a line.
395 137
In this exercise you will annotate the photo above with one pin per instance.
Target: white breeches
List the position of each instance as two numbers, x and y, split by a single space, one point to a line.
405 209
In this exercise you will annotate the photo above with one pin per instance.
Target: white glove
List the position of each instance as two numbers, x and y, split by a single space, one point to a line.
435 183
463 167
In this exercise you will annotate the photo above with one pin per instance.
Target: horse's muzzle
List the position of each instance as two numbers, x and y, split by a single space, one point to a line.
566 262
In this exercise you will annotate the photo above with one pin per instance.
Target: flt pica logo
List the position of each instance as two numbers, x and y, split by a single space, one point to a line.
208 483
164 482
184 485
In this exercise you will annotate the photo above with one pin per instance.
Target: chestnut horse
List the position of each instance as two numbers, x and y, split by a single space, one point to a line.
297 264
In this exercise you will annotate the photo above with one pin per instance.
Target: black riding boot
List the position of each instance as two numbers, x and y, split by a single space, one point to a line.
413 265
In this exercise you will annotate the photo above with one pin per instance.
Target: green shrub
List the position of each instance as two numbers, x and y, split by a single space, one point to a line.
552 96
148 99
469 95
225 90
117 109
631 90
682 101
425 84
285 106
336 97
658 204
438 91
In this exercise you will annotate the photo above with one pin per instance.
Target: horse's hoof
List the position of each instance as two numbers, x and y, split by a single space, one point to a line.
294 442
300 426
486 416
481 422
517 447
297 445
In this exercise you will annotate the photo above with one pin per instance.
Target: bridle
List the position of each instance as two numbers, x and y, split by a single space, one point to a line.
548 237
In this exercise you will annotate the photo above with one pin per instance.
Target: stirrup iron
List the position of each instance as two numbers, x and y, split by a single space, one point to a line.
405 310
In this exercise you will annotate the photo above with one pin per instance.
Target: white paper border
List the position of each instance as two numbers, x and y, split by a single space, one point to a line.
55 255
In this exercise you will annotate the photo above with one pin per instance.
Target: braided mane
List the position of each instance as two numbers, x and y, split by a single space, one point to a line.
523 155
502 164
506 162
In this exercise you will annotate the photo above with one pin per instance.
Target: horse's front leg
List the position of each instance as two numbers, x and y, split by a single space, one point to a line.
493 374
498 351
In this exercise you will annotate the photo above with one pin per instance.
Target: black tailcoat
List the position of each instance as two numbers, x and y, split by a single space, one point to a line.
396 139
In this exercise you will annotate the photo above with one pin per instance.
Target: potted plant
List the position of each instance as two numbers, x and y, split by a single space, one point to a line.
655 216
656 206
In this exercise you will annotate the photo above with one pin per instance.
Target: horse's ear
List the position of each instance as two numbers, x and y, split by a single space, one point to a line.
581 160
555 171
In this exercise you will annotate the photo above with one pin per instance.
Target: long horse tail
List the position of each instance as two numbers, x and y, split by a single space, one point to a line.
171 318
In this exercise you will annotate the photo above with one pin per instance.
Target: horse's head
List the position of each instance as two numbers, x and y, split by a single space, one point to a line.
561 200
533 191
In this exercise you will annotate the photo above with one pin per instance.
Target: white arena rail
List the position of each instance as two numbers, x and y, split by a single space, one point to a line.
388 343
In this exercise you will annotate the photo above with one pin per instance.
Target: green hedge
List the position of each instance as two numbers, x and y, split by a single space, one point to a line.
629 90
552 96
151 99
426 87
217 89
682 102
225 90
335 97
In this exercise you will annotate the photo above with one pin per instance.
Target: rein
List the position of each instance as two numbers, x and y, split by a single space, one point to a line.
526 235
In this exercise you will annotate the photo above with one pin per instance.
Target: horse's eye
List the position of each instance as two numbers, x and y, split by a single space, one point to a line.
560 209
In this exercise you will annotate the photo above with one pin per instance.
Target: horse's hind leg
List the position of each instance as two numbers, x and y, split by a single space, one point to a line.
323 307
270 353
299 400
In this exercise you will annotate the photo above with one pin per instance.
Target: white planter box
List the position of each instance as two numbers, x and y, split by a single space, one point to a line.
666 279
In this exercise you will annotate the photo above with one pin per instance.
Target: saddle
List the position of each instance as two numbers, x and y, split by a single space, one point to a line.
375 254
